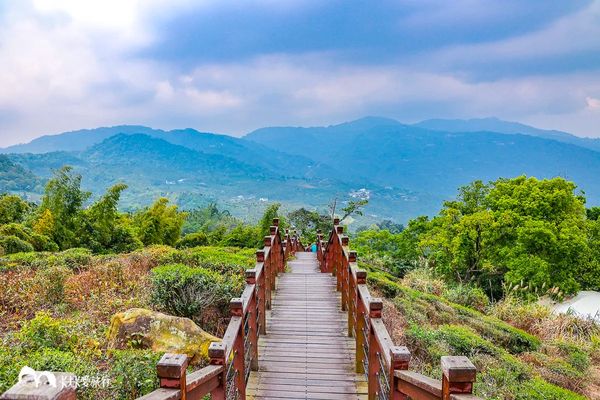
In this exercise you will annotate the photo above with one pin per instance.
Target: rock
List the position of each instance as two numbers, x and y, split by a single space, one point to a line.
159 332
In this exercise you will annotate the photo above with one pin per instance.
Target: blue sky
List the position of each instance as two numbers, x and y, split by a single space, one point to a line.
233 66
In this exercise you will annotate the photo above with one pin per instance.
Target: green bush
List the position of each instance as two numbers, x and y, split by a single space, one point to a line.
42 243
538 389
466 295
75 258
465 341
133 373
189 291
382 282
17 230
12 244
575 354
51 282
43 331
228 260
192 240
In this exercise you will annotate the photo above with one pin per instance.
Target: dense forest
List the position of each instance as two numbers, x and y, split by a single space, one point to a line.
464 282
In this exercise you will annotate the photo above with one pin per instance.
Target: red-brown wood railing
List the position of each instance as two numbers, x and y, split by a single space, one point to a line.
231 360
384 365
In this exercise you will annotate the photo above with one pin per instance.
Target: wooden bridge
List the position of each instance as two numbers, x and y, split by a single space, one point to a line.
305 327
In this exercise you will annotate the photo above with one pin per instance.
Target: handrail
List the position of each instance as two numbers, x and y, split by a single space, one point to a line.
384 365
232 359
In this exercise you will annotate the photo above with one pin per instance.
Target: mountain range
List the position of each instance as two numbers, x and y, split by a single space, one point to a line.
406 170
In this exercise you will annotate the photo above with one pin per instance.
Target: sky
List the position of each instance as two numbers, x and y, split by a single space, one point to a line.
234 66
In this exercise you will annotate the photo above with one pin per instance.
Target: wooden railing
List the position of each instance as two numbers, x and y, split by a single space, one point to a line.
231 360
385 366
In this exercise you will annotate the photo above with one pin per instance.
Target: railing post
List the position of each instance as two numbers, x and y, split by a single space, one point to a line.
344 265
171 371
216 353
361 328
267 271
351 296
262 294
236 307
375 307
338 258
253 318
458 375
400 358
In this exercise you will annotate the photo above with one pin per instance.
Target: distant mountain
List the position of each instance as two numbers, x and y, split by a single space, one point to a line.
433 161
208 143
153 167
13 177
76 140
497 125
407 170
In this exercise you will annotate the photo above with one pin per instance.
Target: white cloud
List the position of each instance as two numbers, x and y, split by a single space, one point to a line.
71 64
592 103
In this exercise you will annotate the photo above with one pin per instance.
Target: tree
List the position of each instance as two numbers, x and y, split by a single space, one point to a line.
391 226
517 230
160 223
308 222
593 213
264 225
103 228
62 201
12 208
353 207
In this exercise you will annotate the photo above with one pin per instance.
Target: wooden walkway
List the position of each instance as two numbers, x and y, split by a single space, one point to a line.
306 353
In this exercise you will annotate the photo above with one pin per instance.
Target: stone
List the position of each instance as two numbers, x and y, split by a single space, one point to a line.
160 332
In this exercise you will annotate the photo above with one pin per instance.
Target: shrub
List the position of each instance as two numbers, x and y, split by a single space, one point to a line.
382 282
192 240
50 283
538 389
43 331
42 243
12 244
522 314
191 291
422 279
465 341
467 295
75 258
133 373
17 230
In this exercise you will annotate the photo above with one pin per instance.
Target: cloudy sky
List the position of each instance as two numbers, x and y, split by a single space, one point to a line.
233 66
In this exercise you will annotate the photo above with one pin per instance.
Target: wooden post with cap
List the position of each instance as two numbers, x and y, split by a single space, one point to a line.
458 375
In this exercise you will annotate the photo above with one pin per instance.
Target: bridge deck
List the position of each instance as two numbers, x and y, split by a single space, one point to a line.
306 353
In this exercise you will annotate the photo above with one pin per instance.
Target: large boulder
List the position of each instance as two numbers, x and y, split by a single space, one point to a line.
159 332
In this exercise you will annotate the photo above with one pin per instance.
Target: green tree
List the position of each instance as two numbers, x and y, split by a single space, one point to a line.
264 225
160 223
593 213
12 209
63 199
517 230
308 222
103 228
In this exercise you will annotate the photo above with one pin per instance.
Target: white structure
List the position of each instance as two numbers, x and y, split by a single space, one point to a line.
586 304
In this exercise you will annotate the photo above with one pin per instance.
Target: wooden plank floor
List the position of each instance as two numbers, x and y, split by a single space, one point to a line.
306 353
